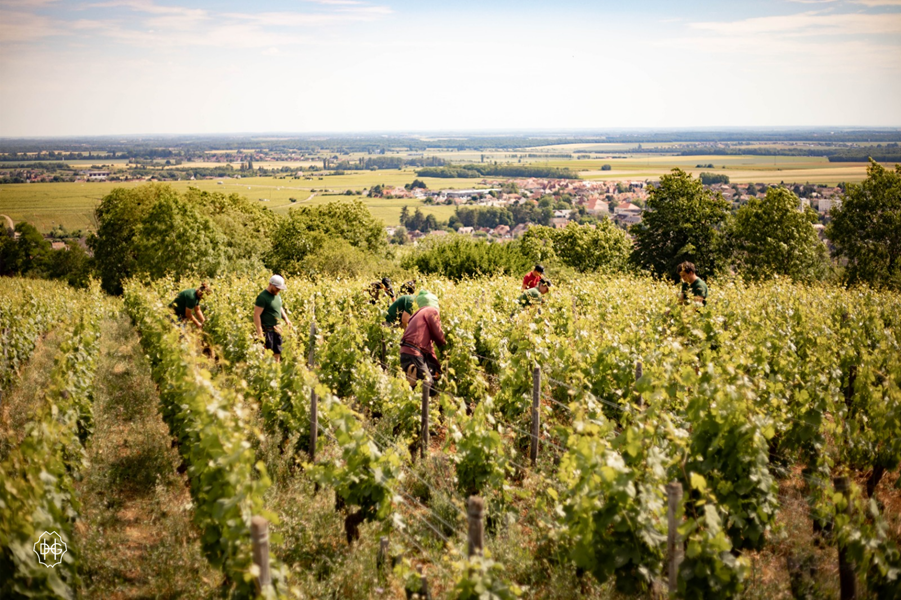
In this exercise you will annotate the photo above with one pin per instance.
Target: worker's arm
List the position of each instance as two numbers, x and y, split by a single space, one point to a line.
257 314
433 322
285 317
199 314
189 315
405 319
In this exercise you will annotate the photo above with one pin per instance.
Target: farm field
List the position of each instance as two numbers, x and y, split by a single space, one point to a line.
763 406
72 204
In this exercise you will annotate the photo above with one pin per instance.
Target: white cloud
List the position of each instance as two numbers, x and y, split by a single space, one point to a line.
270 52
873 3
806 24
18 27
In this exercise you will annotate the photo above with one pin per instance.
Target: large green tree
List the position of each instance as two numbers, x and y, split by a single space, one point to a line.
306 230
683 221
770 236
866 228
153 230
583 247
29 254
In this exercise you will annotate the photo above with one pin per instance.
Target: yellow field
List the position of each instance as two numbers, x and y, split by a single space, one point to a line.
72 204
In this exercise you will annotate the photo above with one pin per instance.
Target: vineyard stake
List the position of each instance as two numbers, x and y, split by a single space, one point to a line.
639 371
259 535
674 548
382 557
314 424
847 578
536 396
424 437
475 509
383 355
424 586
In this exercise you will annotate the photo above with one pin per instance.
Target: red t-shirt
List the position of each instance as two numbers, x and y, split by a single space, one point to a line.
423 329
532 279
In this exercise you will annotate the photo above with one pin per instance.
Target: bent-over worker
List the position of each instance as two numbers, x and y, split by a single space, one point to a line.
417 354
187 305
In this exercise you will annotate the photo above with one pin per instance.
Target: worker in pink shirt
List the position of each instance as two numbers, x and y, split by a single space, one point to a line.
417 354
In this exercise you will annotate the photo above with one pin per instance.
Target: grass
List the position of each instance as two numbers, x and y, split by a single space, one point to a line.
72 205
136 536
27 395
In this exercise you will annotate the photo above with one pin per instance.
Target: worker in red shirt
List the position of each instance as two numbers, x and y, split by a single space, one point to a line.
533 278
417 355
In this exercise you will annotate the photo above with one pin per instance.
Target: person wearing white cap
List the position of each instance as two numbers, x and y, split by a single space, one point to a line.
266 314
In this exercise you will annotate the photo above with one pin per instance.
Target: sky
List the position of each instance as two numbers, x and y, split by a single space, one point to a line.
117 67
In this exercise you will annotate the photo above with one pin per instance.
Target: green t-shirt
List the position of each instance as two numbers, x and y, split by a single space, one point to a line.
184 301
404 304
698 288
272 308
530 296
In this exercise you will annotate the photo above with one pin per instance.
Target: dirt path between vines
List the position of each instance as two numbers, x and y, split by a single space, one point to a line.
135 533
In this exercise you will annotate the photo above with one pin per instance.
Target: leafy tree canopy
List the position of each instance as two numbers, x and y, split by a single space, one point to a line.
582 247
770 236
866 228
682 222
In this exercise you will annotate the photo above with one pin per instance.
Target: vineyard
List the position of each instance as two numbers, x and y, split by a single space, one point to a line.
620 444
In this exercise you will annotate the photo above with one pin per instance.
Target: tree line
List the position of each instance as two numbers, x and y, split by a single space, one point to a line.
153 231
493 170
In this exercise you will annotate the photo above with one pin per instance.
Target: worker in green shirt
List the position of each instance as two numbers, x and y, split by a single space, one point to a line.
187 305
534 295
267 312
694 288
402 309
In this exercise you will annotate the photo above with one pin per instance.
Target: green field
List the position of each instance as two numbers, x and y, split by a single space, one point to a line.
71 204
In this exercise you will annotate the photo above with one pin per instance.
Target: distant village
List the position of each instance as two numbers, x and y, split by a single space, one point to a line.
622 201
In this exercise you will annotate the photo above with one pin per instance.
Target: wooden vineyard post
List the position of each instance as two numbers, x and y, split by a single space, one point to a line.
259 536
314 424
424 436
674 548
847 577
424 593
639 371
382 558
475 509
536 414
314 399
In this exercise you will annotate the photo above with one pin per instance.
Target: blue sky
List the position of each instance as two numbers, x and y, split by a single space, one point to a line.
100 67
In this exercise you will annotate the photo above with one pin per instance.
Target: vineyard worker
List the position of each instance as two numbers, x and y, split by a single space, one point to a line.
403 308
376 287
417 356
267 312
692 285
534 295
187 305
533 278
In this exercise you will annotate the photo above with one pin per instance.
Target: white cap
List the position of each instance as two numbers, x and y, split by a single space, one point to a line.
278 281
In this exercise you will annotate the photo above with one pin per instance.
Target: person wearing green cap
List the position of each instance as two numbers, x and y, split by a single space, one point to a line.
402 309
534 295
417 354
